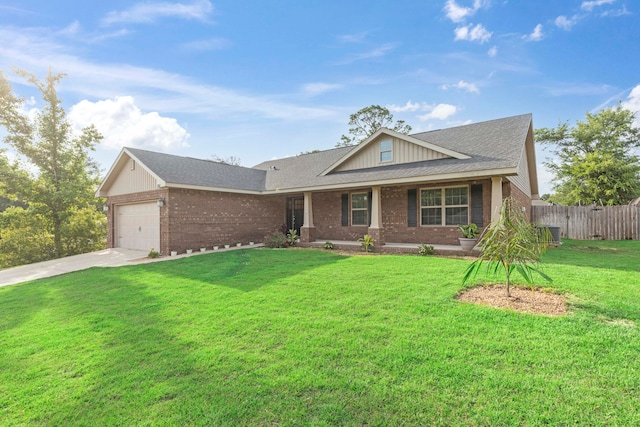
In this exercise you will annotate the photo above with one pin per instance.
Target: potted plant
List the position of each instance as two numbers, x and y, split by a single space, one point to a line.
226 245
174 253
203 248
251 243
189 250
469 238
238 244
215 247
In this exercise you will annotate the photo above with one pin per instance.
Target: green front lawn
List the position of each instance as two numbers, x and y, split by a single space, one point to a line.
309 337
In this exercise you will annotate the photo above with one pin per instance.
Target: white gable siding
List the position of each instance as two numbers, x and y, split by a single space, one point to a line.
403 152
131 178
522 179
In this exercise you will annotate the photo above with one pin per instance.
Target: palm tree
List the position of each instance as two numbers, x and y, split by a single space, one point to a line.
511 244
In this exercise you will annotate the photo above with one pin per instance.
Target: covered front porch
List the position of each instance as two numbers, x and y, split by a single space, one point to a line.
392 216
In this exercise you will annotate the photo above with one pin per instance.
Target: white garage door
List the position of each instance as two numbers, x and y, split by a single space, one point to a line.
138 226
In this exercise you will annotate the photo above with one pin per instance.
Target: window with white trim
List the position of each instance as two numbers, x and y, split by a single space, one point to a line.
386 150
444 206
359 209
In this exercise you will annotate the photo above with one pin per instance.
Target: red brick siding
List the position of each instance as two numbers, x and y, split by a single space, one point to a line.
327 217
327 213
510 189
191 218
199 217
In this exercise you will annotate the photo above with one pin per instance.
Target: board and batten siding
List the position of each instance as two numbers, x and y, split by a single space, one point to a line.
132 178
403 152
521 180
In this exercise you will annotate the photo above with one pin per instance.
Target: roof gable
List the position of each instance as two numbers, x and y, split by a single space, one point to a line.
405 149
185 172
128 175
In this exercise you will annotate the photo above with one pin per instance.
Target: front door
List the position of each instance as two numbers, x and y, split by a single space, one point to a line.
295 213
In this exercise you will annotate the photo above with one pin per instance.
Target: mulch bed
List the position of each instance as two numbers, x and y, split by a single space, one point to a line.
521 299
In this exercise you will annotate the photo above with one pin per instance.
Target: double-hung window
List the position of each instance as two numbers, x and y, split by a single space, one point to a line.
386 150
444 206
359 209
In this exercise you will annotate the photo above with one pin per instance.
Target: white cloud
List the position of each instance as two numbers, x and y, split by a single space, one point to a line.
614 13
589 5
471 33
374 53
207 45
71 29
469 87
353 38
318 88
150 12
457 13
122 123
633 103
440 112
536 35
564 22
409 106
155 90
493 52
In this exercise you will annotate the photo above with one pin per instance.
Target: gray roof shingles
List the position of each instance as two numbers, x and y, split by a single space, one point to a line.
495 144
205 173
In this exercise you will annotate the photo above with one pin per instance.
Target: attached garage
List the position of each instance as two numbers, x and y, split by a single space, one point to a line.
138 226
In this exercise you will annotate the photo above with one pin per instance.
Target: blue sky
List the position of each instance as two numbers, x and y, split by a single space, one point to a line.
266 79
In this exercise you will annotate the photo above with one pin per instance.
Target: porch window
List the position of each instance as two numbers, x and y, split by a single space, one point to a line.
444 206
386 151
359 209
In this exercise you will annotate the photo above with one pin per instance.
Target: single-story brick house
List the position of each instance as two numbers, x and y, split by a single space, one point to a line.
395 187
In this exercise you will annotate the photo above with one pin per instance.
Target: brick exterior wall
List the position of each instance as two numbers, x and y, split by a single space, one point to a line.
327 213
191 218
199 217
510 189
327 217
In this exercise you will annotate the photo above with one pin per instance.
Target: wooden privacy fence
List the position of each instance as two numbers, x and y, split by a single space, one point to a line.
591 222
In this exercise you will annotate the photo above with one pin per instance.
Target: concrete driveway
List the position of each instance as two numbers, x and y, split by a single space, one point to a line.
105 258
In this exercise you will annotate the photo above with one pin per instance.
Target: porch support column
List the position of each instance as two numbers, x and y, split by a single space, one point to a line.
496 198
375 228
308 230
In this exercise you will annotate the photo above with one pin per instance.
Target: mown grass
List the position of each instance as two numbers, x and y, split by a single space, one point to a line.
306 337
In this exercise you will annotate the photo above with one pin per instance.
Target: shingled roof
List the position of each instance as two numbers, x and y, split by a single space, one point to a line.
203 173
494 147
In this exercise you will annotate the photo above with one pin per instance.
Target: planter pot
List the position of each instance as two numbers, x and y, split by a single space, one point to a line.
189 251
203 249
238 244
215 248
251 243
174 253
226 246
467 244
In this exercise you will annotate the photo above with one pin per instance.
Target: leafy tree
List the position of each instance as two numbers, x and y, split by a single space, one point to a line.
58 181
511 244
367 121
596 160
25 237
